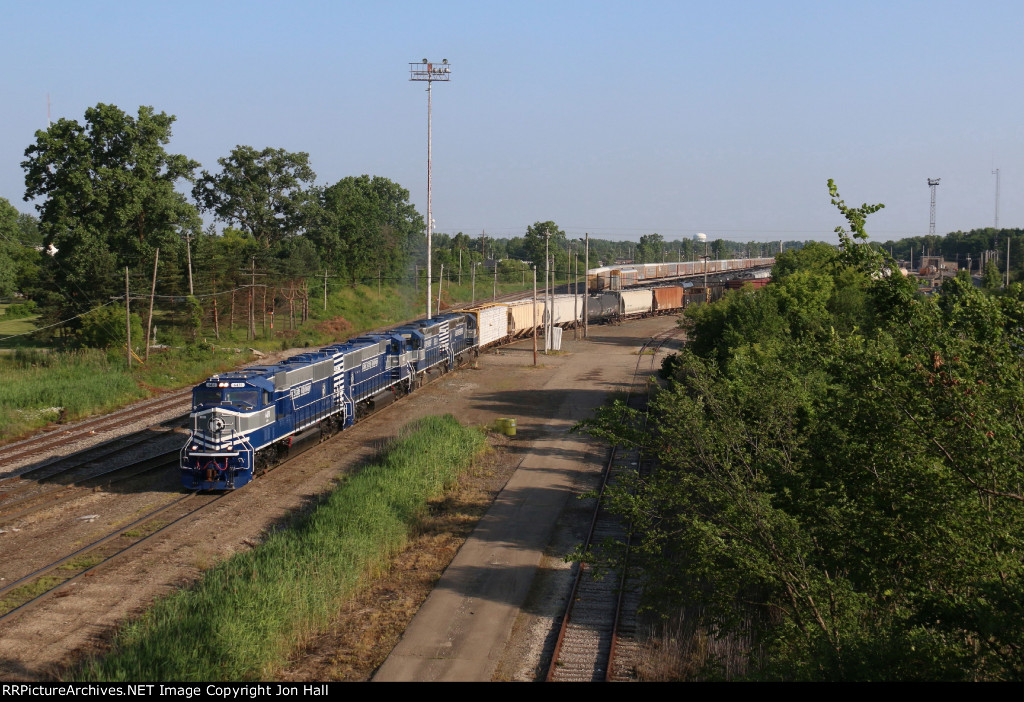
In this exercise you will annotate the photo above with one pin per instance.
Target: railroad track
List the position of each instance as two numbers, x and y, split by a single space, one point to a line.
57 578
41 443
597 640
27 497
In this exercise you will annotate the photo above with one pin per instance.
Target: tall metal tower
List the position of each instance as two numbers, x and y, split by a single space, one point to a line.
932 183
996 174
429 72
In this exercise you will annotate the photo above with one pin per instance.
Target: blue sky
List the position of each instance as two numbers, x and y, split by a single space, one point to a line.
614 118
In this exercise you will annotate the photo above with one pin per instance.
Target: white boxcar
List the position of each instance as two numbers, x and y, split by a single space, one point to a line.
521 316
636 302
492 323
567 308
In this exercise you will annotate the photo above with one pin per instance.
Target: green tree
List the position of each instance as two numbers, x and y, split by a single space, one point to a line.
537 235
366 225
104 328
650 249
993 279
10 248
107 197
266 193
841 472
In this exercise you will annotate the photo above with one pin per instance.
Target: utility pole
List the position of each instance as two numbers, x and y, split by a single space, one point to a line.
547 292
586 269
440 287
932 183
534 315
700 236
152 294
252 302
575 295
429 72
472 275
188 251
128 315
707 293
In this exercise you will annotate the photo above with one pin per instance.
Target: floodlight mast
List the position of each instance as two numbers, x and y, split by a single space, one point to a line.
429 72
932 183
996 174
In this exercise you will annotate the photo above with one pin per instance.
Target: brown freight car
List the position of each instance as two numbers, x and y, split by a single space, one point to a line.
668 298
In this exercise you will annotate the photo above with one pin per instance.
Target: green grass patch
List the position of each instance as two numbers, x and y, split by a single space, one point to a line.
248 613
21 595
81 563
40 387
146 529
11 325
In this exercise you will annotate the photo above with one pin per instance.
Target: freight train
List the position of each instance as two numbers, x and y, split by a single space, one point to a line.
623 276
244 421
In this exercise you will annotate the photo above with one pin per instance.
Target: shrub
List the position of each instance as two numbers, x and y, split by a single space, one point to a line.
103 327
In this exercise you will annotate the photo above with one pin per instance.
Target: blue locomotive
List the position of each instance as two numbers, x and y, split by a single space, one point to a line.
245 421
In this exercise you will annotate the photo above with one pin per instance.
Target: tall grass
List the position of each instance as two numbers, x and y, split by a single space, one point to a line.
244 617
37 388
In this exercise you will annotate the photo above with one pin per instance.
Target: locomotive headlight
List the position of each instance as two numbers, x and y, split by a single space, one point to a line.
215 424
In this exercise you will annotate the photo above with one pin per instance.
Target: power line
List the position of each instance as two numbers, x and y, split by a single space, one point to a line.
63 321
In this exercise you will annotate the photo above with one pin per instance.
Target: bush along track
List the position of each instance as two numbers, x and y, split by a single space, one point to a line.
244 617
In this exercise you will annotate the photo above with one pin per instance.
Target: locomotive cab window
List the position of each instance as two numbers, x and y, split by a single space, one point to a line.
248 398
207 396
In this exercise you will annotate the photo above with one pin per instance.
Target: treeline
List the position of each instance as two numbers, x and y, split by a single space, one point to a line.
113 201
109 196
841 482
974 248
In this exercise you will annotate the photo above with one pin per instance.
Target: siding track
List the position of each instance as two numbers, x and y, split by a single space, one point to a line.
597 640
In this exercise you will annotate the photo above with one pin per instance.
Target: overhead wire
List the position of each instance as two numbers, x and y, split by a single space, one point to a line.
63 321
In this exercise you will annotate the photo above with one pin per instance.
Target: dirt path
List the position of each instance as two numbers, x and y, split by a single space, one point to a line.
39 645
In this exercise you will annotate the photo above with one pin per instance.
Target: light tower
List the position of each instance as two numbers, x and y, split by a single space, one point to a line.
996 174
429 72
932 183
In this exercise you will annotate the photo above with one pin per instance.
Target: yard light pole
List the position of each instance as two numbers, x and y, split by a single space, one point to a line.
429 72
